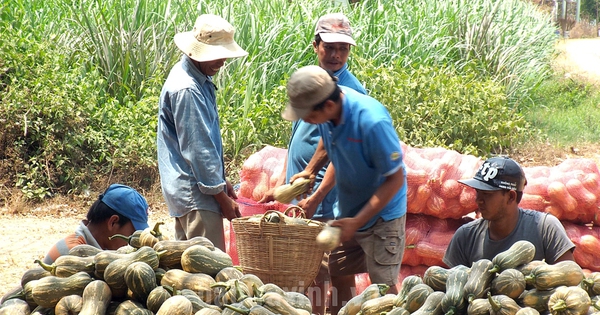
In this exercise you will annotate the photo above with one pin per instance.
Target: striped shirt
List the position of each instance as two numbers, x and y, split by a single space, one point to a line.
82 235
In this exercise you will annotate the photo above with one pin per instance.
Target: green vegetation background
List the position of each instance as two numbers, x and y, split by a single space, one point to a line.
80 79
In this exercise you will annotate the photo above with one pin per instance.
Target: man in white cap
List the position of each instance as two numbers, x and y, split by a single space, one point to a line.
332 43
189 145
358 137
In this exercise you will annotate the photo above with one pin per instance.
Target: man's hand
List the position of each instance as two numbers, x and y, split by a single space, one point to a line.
230 191
349 227
309 206
268 196
231 210
229 207
308 175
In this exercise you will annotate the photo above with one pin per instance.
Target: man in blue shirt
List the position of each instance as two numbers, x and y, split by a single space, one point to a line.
190 150
358 137
332 43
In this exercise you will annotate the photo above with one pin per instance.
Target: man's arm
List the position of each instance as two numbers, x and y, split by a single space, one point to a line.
568 255
317 162
378 201
311 203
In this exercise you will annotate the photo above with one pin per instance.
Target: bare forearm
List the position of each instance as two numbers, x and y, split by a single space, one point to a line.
318 160
326 185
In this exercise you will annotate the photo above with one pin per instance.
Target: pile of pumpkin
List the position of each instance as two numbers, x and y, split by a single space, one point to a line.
511 283
151 275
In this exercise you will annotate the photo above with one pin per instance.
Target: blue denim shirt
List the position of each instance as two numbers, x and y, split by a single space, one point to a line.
190 151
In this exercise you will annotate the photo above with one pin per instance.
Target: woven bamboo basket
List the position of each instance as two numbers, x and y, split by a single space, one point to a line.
283 254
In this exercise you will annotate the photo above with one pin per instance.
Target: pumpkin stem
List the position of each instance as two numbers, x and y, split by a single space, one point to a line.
50 268
239 268
451 311
221 285
240 294
156 230
121 236
244 310
383 288
256 291
596 305
169 289
493 303
162 252
559 306
411 246
494 269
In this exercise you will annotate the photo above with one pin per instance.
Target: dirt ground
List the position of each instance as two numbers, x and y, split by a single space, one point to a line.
27 234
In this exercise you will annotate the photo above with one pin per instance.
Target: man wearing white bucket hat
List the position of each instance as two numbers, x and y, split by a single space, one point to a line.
189 145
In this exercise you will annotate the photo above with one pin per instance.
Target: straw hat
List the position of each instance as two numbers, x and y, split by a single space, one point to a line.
210 39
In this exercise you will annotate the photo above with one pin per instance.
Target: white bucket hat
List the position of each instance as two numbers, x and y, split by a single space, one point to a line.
211 39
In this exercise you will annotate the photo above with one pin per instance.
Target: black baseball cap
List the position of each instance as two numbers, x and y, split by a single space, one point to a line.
498 173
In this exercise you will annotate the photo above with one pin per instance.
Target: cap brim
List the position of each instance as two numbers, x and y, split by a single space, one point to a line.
477 184
292 114
337 38
138 225
187 43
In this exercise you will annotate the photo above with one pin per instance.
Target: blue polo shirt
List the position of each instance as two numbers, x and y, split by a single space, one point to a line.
303 144
364 148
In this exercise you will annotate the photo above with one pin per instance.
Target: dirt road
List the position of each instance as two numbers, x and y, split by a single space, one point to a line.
580 57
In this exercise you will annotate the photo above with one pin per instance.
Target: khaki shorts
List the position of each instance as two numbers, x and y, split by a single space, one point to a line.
201 223
378 251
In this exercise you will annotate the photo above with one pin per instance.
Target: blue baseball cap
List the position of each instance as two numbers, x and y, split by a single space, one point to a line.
127 202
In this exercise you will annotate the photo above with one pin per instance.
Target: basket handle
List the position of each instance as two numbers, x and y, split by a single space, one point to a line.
263 220
296 212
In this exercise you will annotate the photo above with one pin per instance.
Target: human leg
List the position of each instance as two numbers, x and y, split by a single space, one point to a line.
344 263
343 288
383 245
318 292
201 223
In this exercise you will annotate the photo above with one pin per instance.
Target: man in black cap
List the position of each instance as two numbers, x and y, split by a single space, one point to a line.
499 183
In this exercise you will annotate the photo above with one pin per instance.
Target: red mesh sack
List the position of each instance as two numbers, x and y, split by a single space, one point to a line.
570 191
432 179
260 172
427 238
586 240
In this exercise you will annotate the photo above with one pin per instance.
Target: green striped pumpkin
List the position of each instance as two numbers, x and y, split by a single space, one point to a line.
141 280
200 259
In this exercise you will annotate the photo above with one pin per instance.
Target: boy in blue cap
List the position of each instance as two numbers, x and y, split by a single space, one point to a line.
119 210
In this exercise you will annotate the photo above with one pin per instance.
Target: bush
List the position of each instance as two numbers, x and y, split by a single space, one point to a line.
57 134
442 107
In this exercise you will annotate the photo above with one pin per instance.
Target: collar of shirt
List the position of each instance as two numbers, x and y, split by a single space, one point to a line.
82 229
341 70
189 65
